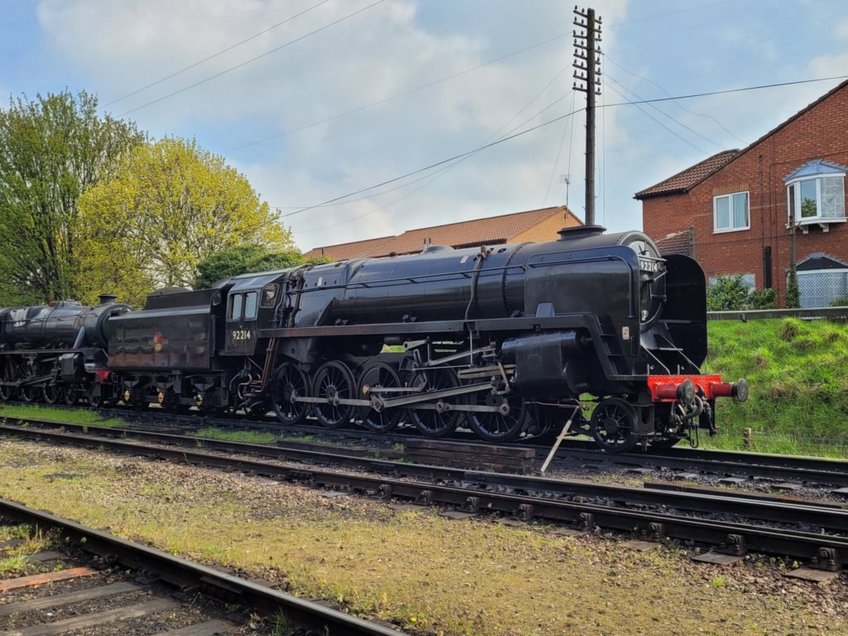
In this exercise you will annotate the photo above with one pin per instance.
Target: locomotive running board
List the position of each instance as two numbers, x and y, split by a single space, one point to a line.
429 328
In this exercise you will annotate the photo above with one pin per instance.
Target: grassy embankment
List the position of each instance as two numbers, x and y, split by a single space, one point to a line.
798 374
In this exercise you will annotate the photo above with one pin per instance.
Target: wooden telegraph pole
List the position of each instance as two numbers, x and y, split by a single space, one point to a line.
587 72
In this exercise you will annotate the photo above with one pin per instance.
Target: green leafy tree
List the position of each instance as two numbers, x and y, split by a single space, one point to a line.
51 150
241 259
168 206
729 293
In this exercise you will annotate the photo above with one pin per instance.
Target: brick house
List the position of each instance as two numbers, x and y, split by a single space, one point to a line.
733 211
519 227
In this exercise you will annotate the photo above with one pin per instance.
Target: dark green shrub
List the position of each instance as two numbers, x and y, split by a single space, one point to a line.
729 293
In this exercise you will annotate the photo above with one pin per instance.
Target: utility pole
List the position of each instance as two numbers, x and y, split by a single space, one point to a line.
587 71
793 295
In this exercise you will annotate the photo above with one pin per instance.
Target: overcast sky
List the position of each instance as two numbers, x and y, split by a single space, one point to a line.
403 84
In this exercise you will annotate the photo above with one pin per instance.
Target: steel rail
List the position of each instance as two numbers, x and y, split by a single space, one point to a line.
780 540
584 449
785 468
183 573
754 507
811 470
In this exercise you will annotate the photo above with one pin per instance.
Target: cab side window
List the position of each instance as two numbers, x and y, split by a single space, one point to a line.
235 306
269 296
250 306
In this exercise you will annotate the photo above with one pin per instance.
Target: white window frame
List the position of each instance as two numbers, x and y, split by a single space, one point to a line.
730 195
819 218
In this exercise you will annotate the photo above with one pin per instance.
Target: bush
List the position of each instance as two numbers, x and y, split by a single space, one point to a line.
729 293
241 259
762 299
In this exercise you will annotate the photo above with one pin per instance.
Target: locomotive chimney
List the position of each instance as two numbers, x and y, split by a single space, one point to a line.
580 231
105 299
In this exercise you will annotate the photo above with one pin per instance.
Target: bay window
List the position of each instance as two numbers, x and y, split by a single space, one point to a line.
816 193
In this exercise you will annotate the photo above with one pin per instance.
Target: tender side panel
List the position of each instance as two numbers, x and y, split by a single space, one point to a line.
179 339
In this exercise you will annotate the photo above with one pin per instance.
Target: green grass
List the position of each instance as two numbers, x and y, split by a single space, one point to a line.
64 416
14 560
798 374
249 437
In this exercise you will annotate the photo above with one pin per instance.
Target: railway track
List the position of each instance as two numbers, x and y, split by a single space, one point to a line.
734 522
167 589
786 470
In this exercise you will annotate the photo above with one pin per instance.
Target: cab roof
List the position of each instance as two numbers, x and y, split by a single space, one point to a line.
256 281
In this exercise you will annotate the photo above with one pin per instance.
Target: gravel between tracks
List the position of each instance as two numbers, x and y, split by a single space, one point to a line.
413 567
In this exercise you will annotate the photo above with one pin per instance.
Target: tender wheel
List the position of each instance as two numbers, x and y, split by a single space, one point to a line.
612 425
436 422
334 381
495 426
288 384
382 375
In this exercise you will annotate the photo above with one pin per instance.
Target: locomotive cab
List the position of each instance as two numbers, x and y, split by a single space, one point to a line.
251 305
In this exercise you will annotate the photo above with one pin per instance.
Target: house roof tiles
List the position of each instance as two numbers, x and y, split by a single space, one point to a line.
684 180
677 243
491 230
343 251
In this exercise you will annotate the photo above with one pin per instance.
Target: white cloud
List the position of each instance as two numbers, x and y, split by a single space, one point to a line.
120 45
123 45
841 29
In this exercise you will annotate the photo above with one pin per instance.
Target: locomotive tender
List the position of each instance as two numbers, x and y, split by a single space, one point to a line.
510 340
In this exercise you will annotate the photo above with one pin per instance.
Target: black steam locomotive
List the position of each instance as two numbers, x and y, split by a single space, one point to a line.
508 340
